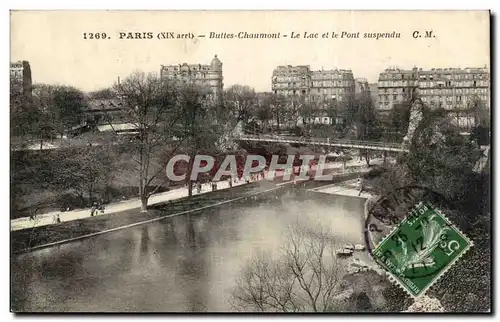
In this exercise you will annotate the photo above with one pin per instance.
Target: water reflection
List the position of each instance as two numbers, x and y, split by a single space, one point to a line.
185 263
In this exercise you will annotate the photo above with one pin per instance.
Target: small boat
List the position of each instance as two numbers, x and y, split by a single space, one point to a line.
359 247
348 246
344 252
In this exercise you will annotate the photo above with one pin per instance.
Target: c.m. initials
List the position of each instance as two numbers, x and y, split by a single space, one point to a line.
427 34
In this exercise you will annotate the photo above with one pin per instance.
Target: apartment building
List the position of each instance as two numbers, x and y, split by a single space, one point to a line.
395 86
449 88
20 78
453 88
334 84
208 75
362 85
291 80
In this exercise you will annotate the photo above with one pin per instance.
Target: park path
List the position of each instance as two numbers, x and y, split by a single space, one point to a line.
348 188
48 218
178 193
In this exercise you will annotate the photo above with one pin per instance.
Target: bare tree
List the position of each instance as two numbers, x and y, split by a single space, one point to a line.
241 101
308 111
152 109
61 106
295 106
105 93
304 277
277 104
479 110
32 119
202 123
86 170
262 111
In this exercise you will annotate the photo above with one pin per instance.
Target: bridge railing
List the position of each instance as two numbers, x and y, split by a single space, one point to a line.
280 138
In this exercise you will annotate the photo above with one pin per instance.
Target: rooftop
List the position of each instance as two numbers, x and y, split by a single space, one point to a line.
105 104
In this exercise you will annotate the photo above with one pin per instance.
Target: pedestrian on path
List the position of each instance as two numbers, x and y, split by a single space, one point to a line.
360 183
92 210
56 219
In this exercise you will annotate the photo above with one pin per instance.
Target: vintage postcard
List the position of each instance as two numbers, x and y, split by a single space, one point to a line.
250 161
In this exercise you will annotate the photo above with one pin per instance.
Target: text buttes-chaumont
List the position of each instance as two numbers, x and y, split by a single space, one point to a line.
244 35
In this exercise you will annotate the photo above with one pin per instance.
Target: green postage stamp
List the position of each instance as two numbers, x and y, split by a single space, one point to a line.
421 249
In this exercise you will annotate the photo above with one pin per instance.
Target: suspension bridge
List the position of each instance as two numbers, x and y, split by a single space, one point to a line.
324 142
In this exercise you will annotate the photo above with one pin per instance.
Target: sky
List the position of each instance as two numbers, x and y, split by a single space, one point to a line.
53 43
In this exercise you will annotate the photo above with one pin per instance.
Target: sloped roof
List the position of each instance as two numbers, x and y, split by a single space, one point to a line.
106 104
117 127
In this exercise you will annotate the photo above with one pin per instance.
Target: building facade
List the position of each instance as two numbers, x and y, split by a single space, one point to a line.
334 84
291 80
20 78
209 76
449 88
361 86
453 89
396 86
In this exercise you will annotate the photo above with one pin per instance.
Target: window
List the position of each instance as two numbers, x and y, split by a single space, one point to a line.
394 97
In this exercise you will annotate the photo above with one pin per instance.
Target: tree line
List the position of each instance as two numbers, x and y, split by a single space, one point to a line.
180 116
